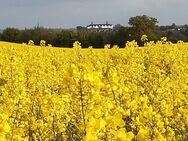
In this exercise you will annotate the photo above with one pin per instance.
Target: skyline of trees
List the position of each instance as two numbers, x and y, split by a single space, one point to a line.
139 25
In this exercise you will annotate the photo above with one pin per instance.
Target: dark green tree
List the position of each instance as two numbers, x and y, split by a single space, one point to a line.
176 35
141 25
96 40
11 35
64 39
118 37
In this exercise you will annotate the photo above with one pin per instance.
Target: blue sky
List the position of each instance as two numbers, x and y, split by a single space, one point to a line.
71 13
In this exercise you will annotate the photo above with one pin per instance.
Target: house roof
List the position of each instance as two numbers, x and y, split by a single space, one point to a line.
99 24
92 24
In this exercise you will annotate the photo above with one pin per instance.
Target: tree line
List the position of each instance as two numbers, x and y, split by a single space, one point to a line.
138 26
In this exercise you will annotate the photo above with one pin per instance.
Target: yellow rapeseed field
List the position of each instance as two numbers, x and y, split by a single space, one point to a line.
110 94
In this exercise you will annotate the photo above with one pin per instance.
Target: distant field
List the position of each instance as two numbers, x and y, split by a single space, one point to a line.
57 94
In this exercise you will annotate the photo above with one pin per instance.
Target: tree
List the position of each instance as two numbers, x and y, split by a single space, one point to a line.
173 26
141 25
64 38
118 37
96 40
11 35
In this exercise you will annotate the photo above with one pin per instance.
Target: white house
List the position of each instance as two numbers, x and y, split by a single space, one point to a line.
100 27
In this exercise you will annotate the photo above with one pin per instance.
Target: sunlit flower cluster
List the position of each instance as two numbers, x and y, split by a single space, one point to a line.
42 43
144 38
111 94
